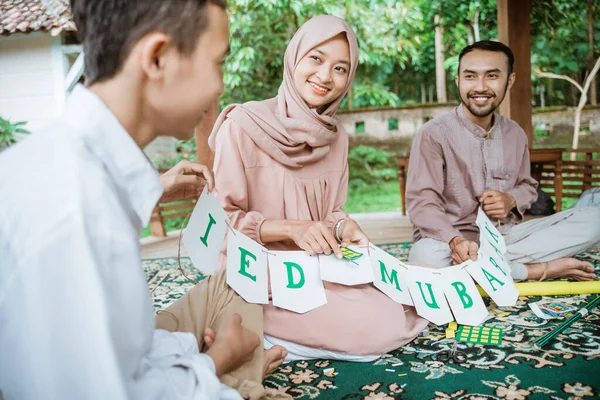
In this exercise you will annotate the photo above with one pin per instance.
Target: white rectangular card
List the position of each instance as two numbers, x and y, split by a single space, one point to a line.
296 283
205 232
497 284
487 231
347 272
247 272
389 275
427 291
462 295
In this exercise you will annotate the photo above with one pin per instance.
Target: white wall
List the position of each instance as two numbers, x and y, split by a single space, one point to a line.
32 72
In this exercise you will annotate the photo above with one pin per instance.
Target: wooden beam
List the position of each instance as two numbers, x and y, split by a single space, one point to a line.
203 153
514 30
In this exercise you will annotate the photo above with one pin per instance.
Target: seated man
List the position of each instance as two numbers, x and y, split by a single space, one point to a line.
472 157
76 317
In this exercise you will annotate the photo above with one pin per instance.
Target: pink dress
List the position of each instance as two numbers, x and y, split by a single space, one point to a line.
252 186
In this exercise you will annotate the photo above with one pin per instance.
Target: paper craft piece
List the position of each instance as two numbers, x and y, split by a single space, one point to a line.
296 283
493 279
487 231
427 291
247 268
389 275
539 313
346 272
349 253
487 247
479 335
555 308
462 295
205 232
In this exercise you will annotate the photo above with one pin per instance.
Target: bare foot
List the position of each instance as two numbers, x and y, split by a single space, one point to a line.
273 359
563 268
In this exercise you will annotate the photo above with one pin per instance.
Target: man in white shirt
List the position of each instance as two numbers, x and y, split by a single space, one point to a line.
76 317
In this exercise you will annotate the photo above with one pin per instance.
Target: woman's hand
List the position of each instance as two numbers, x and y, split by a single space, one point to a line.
314 238
351 234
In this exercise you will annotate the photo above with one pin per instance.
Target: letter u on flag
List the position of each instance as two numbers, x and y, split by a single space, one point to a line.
427 291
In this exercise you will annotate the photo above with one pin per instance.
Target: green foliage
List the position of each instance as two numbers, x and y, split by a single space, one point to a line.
396 39
261 29
370 166
383 197
8 130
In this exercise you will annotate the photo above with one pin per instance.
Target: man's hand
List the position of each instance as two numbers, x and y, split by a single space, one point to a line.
497 204
463 250
233 345
184 181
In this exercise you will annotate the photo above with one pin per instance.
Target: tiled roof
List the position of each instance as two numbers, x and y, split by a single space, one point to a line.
24 16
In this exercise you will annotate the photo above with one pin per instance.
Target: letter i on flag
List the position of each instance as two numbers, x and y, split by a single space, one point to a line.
296 283
205 232
247 268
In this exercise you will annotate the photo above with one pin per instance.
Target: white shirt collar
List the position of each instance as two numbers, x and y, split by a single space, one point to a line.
125 161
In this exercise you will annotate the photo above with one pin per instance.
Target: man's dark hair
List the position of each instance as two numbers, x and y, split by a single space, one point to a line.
489 45
109 29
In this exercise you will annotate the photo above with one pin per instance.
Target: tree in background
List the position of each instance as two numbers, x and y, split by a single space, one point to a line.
397 46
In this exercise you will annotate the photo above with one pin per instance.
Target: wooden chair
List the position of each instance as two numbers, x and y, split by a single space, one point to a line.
166 211
566 178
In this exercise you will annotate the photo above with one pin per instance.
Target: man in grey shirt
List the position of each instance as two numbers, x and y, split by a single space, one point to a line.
473 157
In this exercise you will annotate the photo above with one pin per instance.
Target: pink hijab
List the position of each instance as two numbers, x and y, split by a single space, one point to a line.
285 127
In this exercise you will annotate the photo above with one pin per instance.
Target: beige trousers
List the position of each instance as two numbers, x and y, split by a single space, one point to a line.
206 305
563 234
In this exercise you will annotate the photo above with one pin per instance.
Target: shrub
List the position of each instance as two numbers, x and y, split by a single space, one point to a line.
8 130
370 166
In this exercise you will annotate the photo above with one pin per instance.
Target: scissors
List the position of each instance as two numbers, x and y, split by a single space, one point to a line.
452 354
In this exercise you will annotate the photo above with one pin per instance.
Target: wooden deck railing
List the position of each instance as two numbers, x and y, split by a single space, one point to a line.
553 168
166 211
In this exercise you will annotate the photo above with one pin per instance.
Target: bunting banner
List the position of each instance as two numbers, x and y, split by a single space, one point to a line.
293 280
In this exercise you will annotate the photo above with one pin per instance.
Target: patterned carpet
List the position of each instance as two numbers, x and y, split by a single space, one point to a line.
568 368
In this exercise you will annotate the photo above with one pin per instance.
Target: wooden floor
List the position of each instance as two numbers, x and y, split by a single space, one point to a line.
389 227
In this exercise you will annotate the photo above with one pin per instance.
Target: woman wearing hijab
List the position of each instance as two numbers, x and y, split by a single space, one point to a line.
281 175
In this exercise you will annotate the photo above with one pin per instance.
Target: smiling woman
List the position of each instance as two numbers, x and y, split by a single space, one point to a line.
281 172
322 74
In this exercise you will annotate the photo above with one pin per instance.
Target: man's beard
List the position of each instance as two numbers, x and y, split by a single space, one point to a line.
487 110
